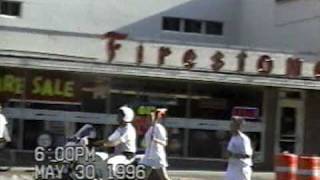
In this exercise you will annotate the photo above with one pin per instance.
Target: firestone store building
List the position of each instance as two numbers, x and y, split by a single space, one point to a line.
202 87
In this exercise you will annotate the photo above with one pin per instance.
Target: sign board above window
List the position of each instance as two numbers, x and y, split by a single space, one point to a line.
246 112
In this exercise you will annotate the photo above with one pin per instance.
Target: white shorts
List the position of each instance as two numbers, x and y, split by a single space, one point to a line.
238 173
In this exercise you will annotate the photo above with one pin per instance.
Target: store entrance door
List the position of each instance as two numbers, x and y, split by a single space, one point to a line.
290 123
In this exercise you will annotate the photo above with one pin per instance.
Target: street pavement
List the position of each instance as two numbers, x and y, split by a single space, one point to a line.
213 175
27 174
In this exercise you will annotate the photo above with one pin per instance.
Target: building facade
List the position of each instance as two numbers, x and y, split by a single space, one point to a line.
64 64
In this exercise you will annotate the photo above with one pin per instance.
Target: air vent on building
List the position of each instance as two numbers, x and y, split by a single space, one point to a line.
192 26
215 28
171 24
10 8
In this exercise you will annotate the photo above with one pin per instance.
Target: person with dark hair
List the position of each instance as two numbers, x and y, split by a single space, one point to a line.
240 152
155 158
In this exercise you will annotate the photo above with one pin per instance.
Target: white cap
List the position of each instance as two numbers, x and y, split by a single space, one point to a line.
128 114
162 110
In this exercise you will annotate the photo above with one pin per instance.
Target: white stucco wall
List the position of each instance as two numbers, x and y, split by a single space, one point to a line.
141 19
289 25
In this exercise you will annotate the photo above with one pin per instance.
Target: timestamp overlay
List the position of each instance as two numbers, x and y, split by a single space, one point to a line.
123 171
77 162
64 162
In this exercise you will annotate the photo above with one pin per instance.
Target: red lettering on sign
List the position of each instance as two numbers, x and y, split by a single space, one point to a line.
140 56
217 62
294 66
163 53
111 45
246 112
188 59
265 64
317 70
241 61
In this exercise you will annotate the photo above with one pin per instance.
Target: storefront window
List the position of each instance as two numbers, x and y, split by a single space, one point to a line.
139 93
212 106
255 138
208 144
217 102
175 142
218 141
119 100
30 135
94 94
144 95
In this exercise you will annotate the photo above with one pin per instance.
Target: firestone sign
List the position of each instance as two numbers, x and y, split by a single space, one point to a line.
120 50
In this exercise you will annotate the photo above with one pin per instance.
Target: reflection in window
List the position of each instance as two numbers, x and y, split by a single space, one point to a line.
217 102
119 100
288 121
208 144
143 94
175 142
30 136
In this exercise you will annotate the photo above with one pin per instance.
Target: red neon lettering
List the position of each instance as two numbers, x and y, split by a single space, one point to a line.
111 45
241 61
265 64
217 62
163 53
188 59
294 66
317 70
140 57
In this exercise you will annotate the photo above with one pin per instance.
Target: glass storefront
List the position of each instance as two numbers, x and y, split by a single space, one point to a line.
198 116
215 103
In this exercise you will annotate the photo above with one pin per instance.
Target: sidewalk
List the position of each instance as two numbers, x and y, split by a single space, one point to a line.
213 175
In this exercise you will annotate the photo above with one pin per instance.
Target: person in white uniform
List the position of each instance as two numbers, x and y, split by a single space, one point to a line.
4 138
240 153
123 139
155 158
4 133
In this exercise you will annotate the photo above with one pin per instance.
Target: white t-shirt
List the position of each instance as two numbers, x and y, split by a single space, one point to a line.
240 144
4 133
155 153
125 138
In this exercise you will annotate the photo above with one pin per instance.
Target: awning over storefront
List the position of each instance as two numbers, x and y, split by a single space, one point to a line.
110 119
117 69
